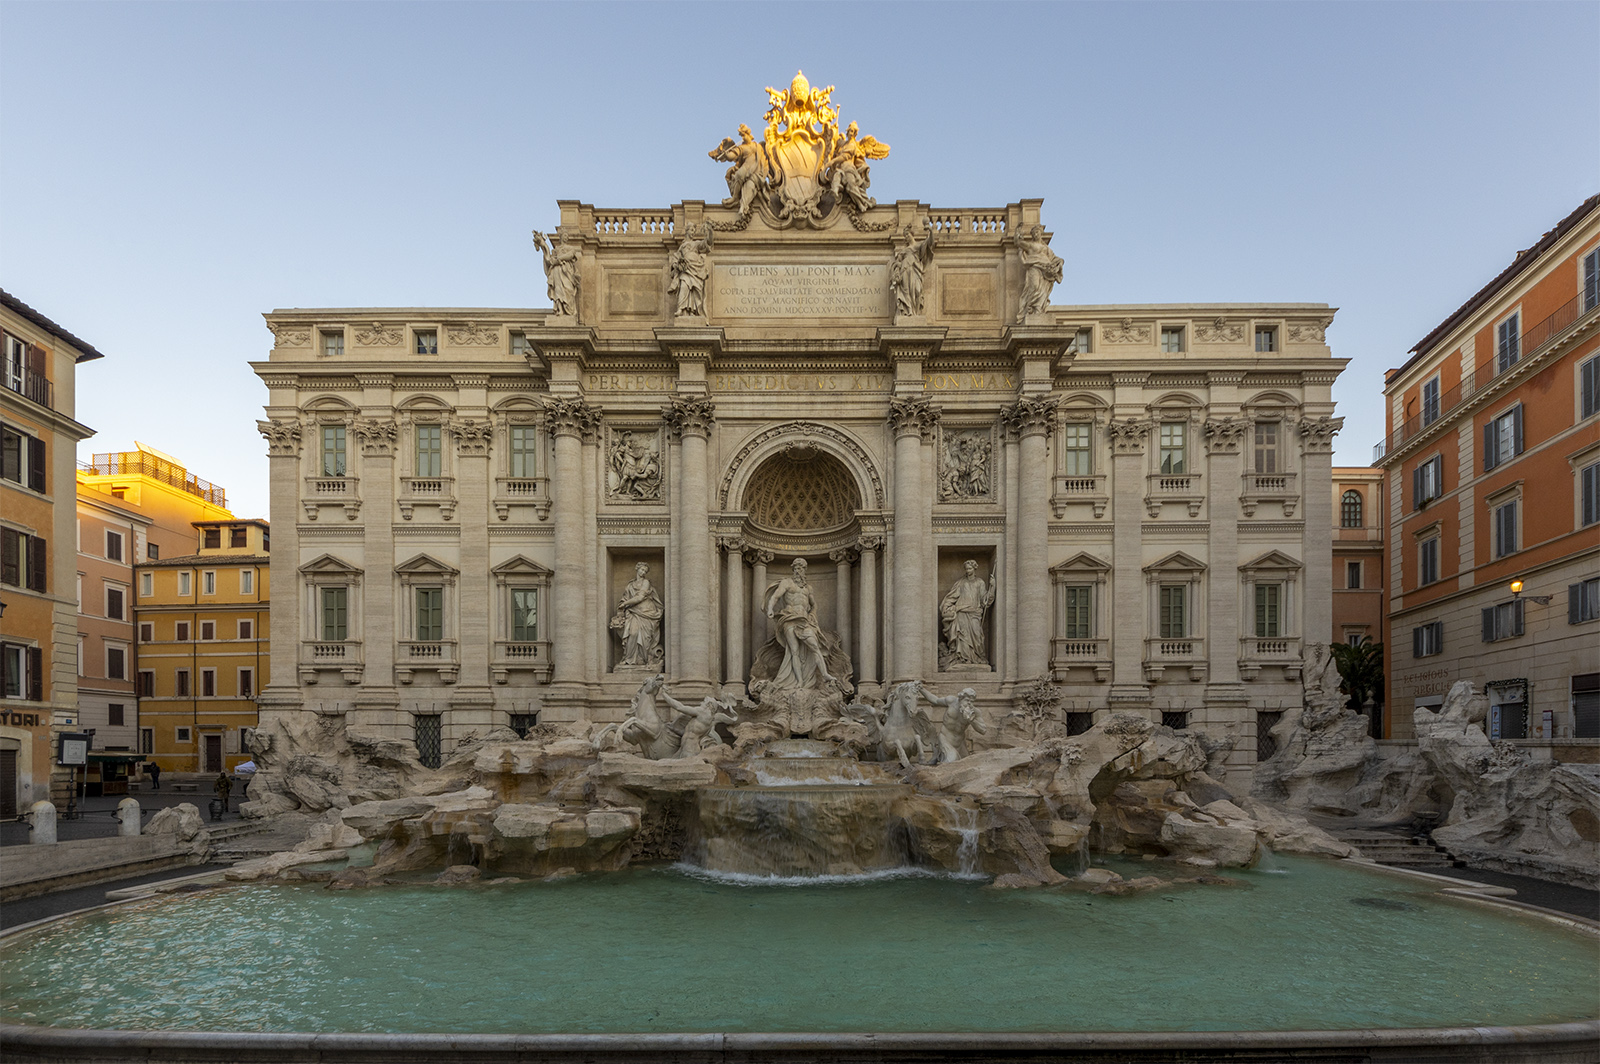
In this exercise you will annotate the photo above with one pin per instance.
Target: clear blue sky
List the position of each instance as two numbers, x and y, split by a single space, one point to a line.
173 170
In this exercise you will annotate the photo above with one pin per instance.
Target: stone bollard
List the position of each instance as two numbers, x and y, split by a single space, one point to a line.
42 821
128 814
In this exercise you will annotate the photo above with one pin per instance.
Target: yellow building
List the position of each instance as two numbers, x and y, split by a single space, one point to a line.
38 563
203 648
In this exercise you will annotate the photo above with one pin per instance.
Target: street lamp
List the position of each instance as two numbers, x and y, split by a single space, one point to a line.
1516 593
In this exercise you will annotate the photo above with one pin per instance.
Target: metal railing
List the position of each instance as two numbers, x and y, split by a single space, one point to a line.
142 463
1529 345
34 386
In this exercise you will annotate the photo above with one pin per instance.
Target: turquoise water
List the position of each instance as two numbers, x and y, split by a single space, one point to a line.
661 950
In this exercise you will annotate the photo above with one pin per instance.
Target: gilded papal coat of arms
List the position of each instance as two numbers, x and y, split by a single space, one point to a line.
804 168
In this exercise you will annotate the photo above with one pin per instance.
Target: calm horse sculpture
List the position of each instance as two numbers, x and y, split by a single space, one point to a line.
645 727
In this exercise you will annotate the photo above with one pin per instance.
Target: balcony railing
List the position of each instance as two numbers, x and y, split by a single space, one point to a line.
1089 488
1173 487
1256 651
519 491
318 655
1185 652
144 464
436 654
1068 654
1549 331
34 386
439 491
1269 487
512 656
334 490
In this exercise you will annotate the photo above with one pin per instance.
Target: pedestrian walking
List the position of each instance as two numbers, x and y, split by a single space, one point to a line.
155 774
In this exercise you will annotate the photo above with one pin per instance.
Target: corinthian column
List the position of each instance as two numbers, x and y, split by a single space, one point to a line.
1033 420
759 560
867 667
690 421
1127 576
1316 465
569 419
911 419
841 561
733 622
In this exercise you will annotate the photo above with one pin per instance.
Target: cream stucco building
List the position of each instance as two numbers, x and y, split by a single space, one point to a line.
462 497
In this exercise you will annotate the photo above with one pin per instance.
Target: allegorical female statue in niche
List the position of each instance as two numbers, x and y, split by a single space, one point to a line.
963 612
638 620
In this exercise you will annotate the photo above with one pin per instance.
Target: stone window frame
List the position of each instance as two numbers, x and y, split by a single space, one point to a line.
333 489
1592 364
1167 328
1273 330
1081 570
329 337
512 490
327 571
424 571
415 334
433 411
1433 533
518 573
1586 459
1494 504
1360 508
1178 568
1273 567
122 646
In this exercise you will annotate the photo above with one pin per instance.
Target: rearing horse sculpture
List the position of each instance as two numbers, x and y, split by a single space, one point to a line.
645 727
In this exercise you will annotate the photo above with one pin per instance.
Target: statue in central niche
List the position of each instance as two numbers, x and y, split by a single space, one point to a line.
792 607
801 675
963 611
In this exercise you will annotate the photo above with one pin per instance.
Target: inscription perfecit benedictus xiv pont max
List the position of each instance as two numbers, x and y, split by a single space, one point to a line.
803 290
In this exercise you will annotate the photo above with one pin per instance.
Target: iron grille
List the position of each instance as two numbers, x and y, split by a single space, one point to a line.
522 723
1176 719
1078 723
1265 722
429 734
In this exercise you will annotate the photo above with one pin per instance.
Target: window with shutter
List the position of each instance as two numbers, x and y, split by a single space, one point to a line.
36 674
35 551
1591 280
10 557
36 465
1583 601
1505 529
1508 344
1589 387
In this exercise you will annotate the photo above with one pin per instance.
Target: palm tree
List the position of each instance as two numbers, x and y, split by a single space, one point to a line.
1361 670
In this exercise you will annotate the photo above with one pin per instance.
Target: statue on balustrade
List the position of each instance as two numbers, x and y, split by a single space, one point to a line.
560 272
964 610
638 621
1043 270
748 174
690 267
906 269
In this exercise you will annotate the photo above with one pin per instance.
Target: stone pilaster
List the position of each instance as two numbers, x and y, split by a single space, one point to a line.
842 560
569 420
867 666
911 421
475 636
1128 438
1033 419
1224 440
733 623
377 436
1316 492
759 560
284 623
689 420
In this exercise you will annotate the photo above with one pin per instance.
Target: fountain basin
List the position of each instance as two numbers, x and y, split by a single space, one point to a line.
631 965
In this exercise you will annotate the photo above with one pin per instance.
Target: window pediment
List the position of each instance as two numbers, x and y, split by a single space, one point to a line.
1082 562
521 565
1177 563
328 565
425 565
1273 560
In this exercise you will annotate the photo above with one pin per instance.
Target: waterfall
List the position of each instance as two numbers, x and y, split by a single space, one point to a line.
967 852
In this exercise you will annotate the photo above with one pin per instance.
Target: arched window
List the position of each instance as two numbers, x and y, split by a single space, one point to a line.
1350 509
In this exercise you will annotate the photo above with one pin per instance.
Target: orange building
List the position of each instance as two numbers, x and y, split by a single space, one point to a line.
1493 465
38 570
110 533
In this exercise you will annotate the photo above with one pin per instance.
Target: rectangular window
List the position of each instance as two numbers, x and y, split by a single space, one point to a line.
1269 611
429 729
183 735
523 446
1502 438
1082 341
1505 529
23 560
1427 640
114 546
1266 447
1583 600
1176 719
427 341
213 539
1503 621
152 552
1586 705
1508 343
208 683
1174 439
147 741
1171 339
1266 338
247 581
1589 386
247 629
1428 562
22 459
1352 575
1079 458
114 603
247 683
523 723
520 347
1174 620
1591 280
333 452
180 683
147 585
208 630
430 614
332 344
208 582
524 615
1430 401
116 714
335 602
185 583
1080 613
181 631
147 632
1589 510
238 536
147 683
1427 482
430 450
116 663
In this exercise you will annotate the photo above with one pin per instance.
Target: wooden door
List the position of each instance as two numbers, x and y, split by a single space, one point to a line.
8 784
213 753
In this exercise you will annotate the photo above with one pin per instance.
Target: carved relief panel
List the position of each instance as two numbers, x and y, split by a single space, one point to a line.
966 463
634 466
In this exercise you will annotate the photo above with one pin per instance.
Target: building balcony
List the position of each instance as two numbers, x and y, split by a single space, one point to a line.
32 386
428 491
1068 654
1184 653
1184 488
1269 487
512 657
522 491
438 655
1281 651
1087 489
343 656
340 490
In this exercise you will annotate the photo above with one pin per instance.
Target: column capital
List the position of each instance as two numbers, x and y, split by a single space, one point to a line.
1128 434
1031 416
377 435
689 416
731 544
472 436
869 544
572 417
283 437
912 415
758 556
1316 434
842 556
1225 435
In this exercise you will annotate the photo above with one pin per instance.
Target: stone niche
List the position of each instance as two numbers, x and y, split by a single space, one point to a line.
621 571
952 569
